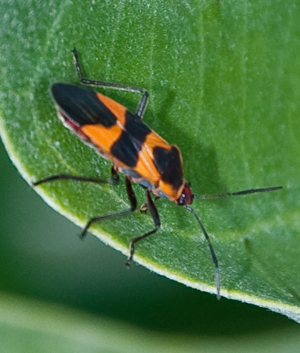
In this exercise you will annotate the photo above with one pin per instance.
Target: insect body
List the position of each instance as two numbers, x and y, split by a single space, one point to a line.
134 149
121 137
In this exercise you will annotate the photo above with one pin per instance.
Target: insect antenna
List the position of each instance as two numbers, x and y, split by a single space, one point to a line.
213 254
238 193
217 196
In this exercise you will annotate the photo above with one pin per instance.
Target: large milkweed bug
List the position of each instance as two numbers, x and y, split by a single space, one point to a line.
134 149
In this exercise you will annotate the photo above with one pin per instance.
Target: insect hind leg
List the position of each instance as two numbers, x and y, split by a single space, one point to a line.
113 181
143 101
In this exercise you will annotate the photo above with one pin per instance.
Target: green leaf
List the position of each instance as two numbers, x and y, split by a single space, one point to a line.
224 86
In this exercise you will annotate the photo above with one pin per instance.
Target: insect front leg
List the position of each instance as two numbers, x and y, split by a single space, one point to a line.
144 206
133 205
151 207
143 101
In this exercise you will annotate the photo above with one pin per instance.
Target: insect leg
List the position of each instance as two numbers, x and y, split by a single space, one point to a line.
144 206
155 216
113 181
143 101
133 204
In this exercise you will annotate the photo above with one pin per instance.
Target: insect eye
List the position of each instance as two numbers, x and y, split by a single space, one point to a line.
186 196
182 199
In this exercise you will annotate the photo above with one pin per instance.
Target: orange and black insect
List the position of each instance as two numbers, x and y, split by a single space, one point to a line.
134 149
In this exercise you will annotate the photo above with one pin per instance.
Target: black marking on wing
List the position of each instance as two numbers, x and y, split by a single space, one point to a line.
126 149
81 105
168 163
